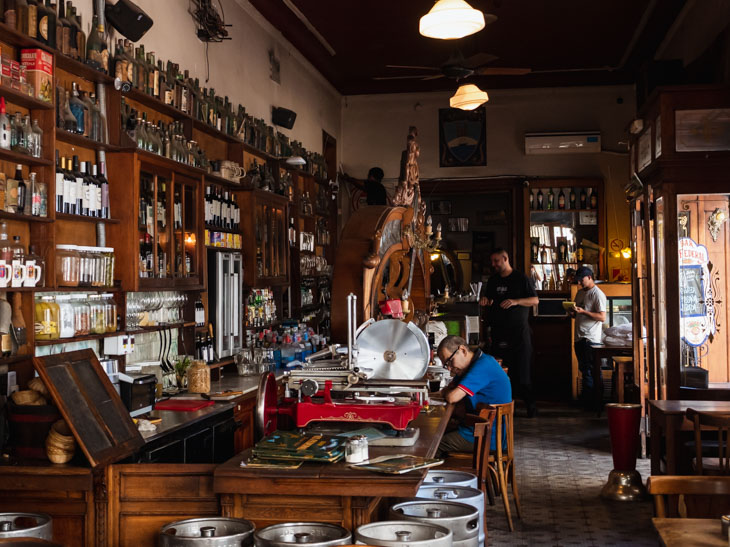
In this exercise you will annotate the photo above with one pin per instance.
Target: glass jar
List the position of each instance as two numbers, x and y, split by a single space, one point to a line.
68 262
96 317
110 312
108 261
66 316
85 266
82 315
46 319
97 257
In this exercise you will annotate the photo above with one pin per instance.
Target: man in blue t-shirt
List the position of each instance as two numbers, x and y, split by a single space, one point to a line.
478 378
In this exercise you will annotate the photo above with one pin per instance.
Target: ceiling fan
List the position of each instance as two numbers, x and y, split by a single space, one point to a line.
457 67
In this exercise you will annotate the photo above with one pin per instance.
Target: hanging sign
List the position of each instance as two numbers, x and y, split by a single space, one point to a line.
696 312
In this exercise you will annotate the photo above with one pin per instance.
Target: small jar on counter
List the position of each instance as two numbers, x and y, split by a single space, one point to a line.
356 450
198 378
68 261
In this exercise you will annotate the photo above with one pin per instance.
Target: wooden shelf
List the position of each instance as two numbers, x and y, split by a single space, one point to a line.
15 157
83 218
156 328
172 165
256 152
222 249
245 183
77 68
156 104
561 210
22 289
15 359
222 230
18 39
17 216
84 142
16 97
213 132
264 326
77 339
76 289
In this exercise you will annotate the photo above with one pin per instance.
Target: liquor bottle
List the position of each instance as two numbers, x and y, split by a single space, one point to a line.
292 233
31 28
34 196
95 202
78 191
70 123
119 70
236 213
550 199
80 37
67 29
97 54
27 139
78 109
153 75
46 33
57 10
594 199
208 206
21 16
162 206
10 13
69 188
532 201
140 65
540 200
89 129
561 199
60 168
105 209
37 151
5 128
583 199
573 204
22 189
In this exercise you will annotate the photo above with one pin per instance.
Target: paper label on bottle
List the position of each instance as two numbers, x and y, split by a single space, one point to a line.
32 20
43 27
12 195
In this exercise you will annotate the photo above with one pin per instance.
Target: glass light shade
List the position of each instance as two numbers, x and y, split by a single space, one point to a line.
450 20
296 160
468 97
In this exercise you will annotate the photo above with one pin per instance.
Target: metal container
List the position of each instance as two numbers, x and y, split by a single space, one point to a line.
470 496
403 533
436 477
208 532
460 518
314 534
26 525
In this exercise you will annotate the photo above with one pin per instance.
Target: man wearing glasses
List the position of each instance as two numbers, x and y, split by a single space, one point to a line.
478 378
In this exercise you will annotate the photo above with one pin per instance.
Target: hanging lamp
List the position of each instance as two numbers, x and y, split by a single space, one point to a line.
451 19
468 97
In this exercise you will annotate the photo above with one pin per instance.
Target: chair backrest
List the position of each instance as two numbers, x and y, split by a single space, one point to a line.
720 422
483 441
504 422
696 497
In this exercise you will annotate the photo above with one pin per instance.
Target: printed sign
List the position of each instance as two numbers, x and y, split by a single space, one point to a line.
697 314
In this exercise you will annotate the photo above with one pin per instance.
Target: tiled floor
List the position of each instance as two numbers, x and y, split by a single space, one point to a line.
563 458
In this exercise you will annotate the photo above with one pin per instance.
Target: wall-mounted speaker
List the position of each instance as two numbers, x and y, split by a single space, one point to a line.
283 117
128 18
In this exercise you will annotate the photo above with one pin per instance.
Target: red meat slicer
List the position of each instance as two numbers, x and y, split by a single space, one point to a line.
377 378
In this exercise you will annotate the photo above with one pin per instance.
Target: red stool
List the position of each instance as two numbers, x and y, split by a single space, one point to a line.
624 482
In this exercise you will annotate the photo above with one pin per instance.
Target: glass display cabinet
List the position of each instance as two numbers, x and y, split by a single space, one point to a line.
681 240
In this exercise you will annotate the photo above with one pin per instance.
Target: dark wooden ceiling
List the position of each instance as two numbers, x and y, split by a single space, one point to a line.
617 36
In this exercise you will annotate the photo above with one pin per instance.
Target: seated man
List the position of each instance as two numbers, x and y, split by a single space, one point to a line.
478 378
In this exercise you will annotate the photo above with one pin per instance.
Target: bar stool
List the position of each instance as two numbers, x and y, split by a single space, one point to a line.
623 367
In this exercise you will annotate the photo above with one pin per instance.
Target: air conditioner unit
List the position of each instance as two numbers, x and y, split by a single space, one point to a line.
584 142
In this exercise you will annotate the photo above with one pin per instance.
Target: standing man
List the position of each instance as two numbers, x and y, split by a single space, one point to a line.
509 295
373 186
589 314
478 378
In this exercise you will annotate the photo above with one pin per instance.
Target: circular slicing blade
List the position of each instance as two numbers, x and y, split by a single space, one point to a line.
393 350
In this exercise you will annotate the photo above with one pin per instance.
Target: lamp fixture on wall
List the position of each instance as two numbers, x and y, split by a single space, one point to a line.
716 220
296 160
452 19
468 97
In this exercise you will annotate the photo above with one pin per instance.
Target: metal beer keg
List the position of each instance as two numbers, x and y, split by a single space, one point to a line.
208 532
460 518
26 525
403 533
313 534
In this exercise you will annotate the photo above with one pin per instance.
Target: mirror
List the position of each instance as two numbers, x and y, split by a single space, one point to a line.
446 272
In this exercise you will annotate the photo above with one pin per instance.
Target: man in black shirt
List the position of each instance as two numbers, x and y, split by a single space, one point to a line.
509 295
373 186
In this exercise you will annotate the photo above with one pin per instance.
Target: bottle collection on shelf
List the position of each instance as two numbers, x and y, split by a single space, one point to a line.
18 268
79 112
84 266
23 198
81 188
276 348
261 308
31 76
223 213
572 200
19 134
70 315
204 347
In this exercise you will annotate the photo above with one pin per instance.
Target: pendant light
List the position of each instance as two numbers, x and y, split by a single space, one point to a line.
468 97
451 19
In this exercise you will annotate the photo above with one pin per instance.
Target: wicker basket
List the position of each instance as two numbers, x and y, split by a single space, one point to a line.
28 397
36 384
60 443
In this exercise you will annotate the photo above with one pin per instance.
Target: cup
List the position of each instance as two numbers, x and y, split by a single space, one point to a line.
32 273
18 275
6 272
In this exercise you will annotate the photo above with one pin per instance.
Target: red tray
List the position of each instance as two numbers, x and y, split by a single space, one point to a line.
183 405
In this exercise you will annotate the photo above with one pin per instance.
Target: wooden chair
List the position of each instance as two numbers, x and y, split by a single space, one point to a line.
690 496
502 458
720 422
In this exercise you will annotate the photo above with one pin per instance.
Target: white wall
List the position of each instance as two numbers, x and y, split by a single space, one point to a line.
239 67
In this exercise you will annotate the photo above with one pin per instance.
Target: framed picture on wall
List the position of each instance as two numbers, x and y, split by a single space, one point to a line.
440 207
459 224
462 137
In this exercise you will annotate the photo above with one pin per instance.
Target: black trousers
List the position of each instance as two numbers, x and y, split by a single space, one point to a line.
514 347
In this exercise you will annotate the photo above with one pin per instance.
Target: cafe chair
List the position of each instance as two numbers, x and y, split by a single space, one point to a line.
720 423
502 458
689 496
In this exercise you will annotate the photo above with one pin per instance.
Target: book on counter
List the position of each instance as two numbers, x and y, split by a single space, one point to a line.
256 463
397 464
289 445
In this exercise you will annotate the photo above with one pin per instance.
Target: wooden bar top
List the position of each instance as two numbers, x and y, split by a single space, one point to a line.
337 478
680 407
678 532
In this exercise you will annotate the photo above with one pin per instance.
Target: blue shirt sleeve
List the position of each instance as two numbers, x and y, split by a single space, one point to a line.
474 379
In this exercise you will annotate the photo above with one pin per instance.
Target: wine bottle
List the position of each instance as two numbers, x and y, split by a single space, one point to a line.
69 120
78 191
540 200
85 190
67 29
561 199
22 190
550 200
105 209
594 199
583 199
80 37
46 33
97 55
60 168
573 204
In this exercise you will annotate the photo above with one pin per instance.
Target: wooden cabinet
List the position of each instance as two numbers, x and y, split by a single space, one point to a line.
243 413
266 249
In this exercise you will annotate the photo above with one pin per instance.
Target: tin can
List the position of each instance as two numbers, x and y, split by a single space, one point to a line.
356 450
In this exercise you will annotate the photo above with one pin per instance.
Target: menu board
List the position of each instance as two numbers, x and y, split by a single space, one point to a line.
691 292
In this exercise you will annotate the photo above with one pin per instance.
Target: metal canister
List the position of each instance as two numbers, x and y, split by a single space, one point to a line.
314 534
460 518
26 525
451 478
356 449
208 532
403 533
470 496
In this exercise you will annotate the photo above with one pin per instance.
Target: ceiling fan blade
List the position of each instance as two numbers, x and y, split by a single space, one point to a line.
434 77
479 59
412 77
501 71
414 67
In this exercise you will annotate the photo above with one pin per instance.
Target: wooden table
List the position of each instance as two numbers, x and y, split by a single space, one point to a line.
601 352
667 418
324 492
690 532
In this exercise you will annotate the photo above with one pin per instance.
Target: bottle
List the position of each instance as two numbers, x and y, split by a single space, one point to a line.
140 65
153 75
583 199
59 25
32 21
74 29
105 212
594 199
46 29
37 139
532 201
119 62
78 109
97 55
22 190
96 125
10 13
550 199
78 191
572 199
561 199
21 16
5 128
16 133
70 123
35 196
67 28
60 168
85 190
292 233
69 189
540 200
80 37
26 137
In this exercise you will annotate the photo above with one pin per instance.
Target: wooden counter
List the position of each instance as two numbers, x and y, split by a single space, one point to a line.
324 492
